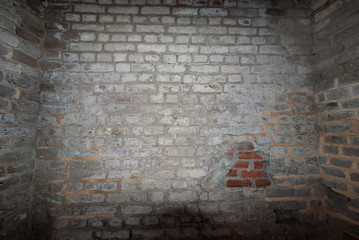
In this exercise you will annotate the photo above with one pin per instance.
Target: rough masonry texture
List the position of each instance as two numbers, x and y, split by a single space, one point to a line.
172 119
20 49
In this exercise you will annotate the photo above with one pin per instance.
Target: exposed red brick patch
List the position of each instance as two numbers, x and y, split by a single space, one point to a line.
262 182
230 154
238 183
248 155
241 164
259 164
232 173
252 174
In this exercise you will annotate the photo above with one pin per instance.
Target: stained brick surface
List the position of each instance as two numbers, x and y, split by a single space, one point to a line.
173 119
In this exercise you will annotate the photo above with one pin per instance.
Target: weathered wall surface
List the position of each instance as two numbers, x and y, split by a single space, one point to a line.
20 37
177 119
336 36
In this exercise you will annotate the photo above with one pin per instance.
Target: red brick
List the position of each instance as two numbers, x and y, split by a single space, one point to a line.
24 58
71 35
262 182
232 173
252 174
259 164
55 44
241 164
26 35
248 155
45 65
238 183
230 154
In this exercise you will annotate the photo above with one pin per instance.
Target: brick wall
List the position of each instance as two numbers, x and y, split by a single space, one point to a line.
20 39
141 102
337 65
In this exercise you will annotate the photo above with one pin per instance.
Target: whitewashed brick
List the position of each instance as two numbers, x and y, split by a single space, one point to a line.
88 18
151 48
216 58
104 57
167 20
109 88
119 47
87 57
86 36
119 28
212 30
88 27
123 10
103 37
214 49
152 58
184 58
165 39
235 69
244 49
209 88
171 68
272 49
119 57
169 58
213 12
118 38
200 58
135 38
198 39
186 30
182 48
185 11
88 47
105 18
242 31
89 8
155 10
150 38
97 67
137 57
150 28
204 68
123 67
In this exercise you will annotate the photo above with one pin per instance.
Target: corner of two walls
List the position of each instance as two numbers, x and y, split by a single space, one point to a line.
21 34
336 53
185 118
